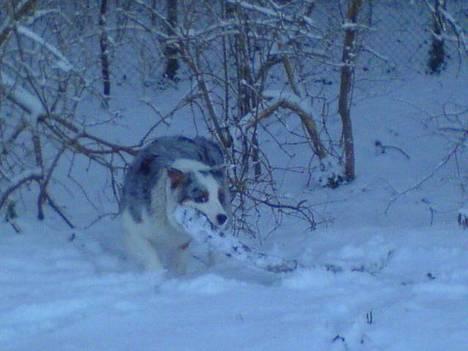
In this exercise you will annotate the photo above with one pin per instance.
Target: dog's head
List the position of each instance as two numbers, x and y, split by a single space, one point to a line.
196 185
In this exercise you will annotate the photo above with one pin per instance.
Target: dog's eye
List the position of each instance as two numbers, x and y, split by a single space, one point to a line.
203 197
221 196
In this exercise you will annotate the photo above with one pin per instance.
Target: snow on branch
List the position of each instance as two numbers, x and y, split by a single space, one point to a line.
457 28
62 62
22 9
225 26
295 23
353 26
271 13
22 97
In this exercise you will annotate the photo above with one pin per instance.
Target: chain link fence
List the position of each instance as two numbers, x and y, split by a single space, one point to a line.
400 32
397 38
397 34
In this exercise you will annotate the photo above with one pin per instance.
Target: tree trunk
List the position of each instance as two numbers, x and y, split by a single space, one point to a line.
172 64
104 45
437 50
347 72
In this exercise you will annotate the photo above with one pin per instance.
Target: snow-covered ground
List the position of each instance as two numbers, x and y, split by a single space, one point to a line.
370 279
395 289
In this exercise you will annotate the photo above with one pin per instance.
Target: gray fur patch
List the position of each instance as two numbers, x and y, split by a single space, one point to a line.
148 165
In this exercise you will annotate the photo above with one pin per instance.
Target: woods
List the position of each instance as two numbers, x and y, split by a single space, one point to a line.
253 68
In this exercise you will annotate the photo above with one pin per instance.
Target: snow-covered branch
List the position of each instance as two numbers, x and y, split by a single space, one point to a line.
62 62
274 13
22 97
18 12
457 29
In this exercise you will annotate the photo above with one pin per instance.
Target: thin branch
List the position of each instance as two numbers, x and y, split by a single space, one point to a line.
21 10
20 180
420 182
306 119
57 209
43 194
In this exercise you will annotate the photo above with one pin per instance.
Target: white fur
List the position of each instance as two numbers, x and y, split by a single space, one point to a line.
155 239
159 241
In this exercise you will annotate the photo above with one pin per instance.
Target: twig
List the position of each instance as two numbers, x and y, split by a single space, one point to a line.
383 148
31 175
305 117
304 211
57 209
43 195
423 180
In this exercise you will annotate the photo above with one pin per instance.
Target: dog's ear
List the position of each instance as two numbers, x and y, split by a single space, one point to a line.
176 176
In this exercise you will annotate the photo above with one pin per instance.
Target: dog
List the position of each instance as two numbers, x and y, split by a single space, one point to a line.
172 171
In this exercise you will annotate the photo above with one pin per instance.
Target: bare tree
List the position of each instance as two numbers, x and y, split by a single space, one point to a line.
232 58
253 69
41 86
234 51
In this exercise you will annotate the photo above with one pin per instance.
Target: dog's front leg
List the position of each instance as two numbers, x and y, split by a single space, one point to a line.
180 257
141 249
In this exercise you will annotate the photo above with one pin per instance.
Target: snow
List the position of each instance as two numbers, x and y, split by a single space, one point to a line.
71 295
367 281
22 97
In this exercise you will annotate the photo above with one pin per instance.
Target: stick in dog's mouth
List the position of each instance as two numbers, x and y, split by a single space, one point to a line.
202 215
196 224
213 226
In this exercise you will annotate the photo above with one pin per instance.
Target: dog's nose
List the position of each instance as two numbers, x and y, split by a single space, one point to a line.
221 218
